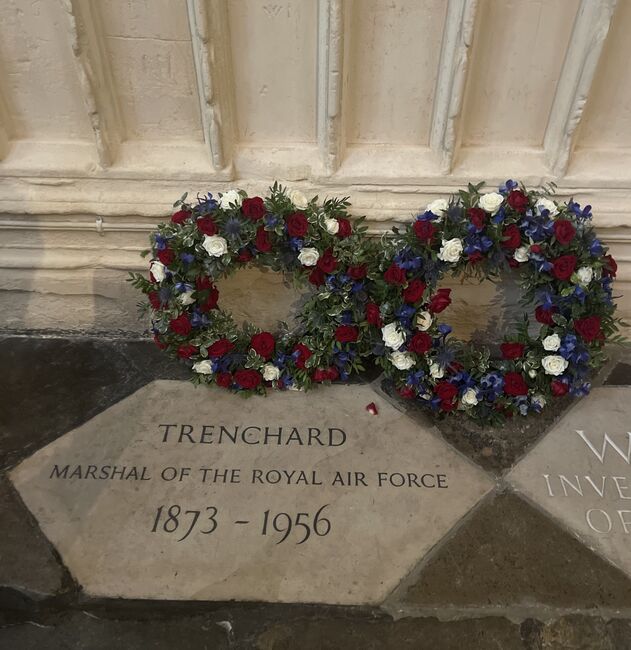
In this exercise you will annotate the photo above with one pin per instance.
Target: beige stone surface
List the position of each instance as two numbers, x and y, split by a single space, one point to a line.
102 527
580 473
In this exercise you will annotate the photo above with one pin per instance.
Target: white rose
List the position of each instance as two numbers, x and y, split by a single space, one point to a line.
186 298
436 371
438 207
232 196
215 245
423 321
298 199
551 343
402 360
158 270
554 364
308 256
203 367
470 397
491 202
332 226
451 250
585 275
546 204
521 254
539 400
392 336
270 372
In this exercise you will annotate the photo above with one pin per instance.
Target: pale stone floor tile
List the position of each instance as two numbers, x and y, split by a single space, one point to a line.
507 576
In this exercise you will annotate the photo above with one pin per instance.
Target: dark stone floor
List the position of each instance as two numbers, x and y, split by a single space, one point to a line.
507 577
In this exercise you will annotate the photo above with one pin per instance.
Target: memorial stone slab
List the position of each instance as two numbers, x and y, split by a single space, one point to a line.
580 473
180 492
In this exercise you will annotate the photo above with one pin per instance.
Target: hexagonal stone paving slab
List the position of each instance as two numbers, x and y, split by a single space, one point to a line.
179 492
581 473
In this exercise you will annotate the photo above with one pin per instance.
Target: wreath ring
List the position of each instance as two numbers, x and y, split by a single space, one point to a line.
566 274
312 243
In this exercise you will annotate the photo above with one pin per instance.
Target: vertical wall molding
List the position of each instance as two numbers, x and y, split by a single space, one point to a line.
213 71
330 82
95 77
591 27
5 130
450 82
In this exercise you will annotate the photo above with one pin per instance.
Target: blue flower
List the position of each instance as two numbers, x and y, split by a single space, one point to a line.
187 258
161 242
508 186
271 221
183 287
595 248
207 202
233 227
296 243
581 215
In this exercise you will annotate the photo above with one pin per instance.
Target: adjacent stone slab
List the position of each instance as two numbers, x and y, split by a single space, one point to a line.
581 473
180 492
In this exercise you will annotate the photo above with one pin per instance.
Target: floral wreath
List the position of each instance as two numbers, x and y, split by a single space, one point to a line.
566 274
283 232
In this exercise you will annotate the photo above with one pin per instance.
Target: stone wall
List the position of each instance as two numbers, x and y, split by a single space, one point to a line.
110 111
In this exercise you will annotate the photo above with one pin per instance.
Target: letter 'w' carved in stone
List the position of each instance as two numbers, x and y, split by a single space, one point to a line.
607 440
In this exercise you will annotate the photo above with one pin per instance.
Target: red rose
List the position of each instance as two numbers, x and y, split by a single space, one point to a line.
447 392
254 208
514 384
186 351
477 216
159 343
181 325
203 283
325 374
262 241
407 392
512 350
303 354
394 275
414 291
610 267
327 262
207 226
558 387
263 343
448 405
223 379
297 225
511 237
373 317
420 343
357 272
475 257
513 263
345 228
544 316
535 248
181 216
518 201
564 231
588 328
248 379
245 255
346 334
439 301
563 267
154 299
210 302
166 256
219 348
316 277
424 230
